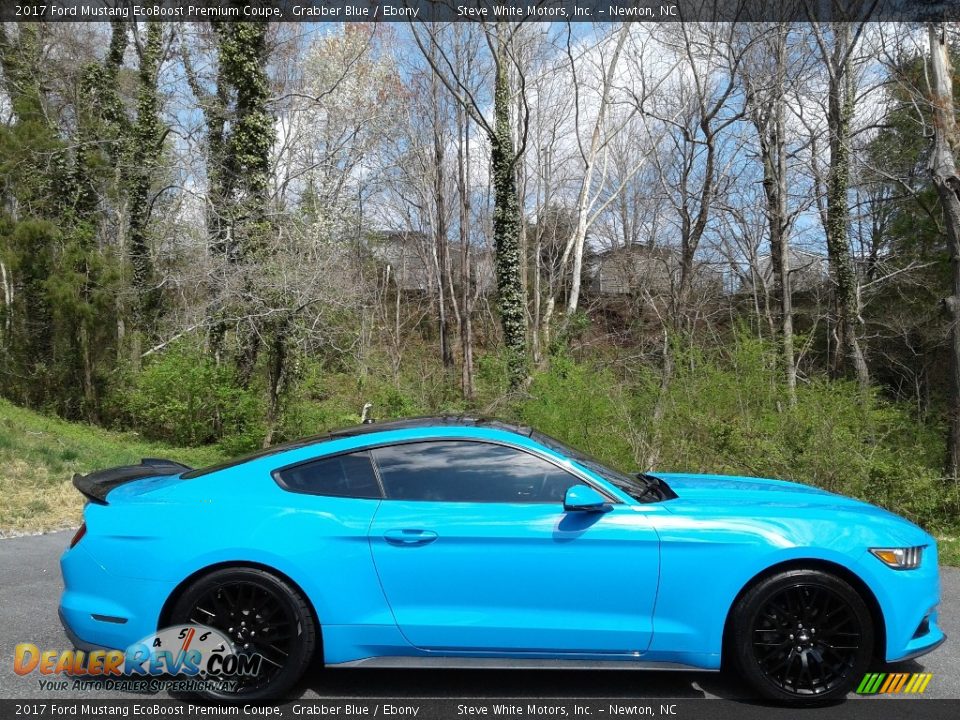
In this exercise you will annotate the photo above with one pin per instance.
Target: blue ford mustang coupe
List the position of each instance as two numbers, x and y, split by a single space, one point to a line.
462 542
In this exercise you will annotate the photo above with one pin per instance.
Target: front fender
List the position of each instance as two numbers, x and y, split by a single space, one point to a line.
708 559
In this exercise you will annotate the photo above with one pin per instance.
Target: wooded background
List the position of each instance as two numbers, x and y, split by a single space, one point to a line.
719 247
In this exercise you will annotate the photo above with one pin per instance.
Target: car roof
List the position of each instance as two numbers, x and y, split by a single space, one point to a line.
368 428
429 421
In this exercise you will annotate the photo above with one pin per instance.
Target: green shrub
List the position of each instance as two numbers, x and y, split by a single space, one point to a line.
183 397
583 406
727 412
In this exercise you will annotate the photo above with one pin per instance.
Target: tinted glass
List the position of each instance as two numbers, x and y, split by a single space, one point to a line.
638 487
339 476
469 472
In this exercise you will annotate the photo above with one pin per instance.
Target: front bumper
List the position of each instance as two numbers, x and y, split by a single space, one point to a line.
909 601
925 649
926 638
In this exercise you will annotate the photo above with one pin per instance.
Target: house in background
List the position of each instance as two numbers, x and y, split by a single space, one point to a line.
808 270
410 257
614 272
407 253
635 268
626 270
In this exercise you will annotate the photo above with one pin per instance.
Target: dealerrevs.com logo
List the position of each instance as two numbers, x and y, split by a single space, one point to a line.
894 683
185 657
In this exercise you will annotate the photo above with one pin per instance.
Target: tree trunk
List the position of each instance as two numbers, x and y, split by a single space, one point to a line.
506 228
240 135
7 281
576 273
277 371
839 114
771 128
507 217
147 139
536 339
584 201
466 309
693 228
89 389
942 166
660 407
440 249
440 246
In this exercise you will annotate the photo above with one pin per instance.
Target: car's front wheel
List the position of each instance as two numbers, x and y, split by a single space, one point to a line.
261 615
802 636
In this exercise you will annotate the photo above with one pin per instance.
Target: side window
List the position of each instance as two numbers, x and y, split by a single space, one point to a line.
338 476
458 471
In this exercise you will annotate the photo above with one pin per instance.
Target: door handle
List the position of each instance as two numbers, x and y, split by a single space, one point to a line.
410 538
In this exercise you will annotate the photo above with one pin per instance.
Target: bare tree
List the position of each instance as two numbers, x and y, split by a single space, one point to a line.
693 174
509 78
837 42
765 81
465 59
693 170
593 195
590 154
943 168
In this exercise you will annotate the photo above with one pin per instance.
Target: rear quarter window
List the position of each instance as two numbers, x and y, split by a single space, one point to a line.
350 476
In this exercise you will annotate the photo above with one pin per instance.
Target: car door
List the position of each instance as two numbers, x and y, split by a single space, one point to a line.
475 553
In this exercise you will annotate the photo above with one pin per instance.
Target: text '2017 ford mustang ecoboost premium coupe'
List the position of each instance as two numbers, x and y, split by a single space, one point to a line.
461 542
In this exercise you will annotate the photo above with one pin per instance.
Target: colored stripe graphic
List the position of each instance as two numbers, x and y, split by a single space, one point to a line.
891 681
862 688
894 683
901 682
870 683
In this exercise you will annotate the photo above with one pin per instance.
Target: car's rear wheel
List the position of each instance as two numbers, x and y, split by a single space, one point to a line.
802 636
261 614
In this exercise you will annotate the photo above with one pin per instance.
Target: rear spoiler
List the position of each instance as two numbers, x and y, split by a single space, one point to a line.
96 485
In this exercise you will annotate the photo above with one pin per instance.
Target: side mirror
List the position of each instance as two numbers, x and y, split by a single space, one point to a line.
583 498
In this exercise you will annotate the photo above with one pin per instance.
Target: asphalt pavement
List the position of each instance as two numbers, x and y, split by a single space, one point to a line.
30 587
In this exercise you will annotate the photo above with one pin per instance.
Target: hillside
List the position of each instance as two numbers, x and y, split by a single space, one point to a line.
39 455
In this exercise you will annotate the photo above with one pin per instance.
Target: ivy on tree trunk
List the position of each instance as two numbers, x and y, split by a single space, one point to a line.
506 232
240 135
147 144
840 106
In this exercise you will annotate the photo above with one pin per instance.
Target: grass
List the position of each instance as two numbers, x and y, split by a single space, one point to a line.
948 548
39 455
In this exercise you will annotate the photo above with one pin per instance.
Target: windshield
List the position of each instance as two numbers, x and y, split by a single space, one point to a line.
638 487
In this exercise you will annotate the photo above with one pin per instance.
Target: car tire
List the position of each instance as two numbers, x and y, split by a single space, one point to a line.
258 589
775 644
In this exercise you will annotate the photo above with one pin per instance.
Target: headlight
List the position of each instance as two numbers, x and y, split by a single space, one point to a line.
900 558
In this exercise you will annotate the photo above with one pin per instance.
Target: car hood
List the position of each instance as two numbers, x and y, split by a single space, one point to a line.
763 497
791 507
718 487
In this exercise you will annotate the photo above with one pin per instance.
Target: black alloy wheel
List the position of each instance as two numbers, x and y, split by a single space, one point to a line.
261 615
802 637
